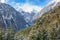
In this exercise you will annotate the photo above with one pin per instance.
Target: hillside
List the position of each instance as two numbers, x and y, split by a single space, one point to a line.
47 27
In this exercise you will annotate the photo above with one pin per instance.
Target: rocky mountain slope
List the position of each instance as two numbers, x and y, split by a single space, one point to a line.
28 17
47 27
10 18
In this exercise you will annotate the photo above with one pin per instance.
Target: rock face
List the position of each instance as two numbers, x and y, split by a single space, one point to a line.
47 27
28 17
9 17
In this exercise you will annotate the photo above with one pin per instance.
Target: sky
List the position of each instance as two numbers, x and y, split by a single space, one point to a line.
28 5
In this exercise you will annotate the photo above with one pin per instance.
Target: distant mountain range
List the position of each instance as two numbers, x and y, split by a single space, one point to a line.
20 20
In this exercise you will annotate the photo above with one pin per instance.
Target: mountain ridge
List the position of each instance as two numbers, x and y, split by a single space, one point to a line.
11 17
47 27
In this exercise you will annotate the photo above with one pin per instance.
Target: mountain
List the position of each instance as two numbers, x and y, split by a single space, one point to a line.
28 17
9 17
48 7
12 21
47 27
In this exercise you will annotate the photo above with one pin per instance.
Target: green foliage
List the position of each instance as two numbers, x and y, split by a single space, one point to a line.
0 35
10 34
7 34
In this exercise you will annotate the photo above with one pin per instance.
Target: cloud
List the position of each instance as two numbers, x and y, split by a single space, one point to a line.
27 7
4 1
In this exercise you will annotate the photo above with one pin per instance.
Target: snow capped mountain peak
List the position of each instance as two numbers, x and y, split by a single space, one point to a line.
27 7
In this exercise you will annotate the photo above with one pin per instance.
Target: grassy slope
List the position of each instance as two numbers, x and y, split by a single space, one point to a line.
46 27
